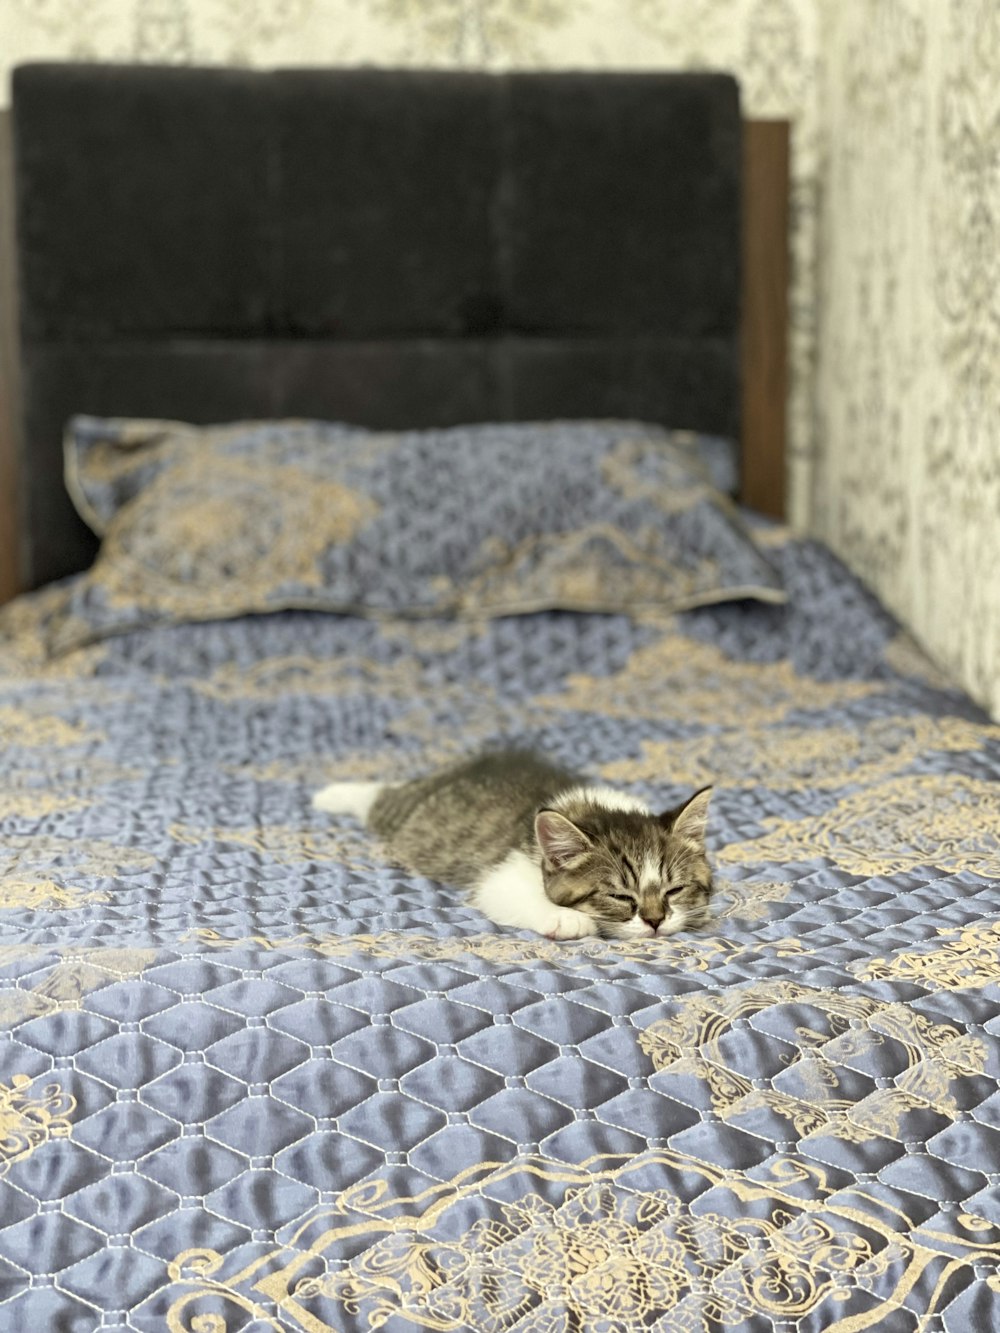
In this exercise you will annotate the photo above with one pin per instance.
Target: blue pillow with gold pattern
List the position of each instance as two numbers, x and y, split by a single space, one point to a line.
203 523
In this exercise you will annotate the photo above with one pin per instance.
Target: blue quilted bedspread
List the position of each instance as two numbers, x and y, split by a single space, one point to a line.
252 1077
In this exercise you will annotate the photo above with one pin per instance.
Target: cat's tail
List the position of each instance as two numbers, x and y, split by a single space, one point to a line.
348 798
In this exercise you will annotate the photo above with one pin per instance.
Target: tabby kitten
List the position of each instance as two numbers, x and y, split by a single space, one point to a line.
541 849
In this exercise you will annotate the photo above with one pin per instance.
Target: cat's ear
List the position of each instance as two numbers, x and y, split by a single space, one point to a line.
560 839
690 818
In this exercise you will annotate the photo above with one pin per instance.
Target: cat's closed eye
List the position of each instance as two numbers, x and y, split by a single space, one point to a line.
624 898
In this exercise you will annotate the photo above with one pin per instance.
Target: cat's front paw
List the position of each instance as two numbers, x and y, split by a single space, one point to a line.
568 924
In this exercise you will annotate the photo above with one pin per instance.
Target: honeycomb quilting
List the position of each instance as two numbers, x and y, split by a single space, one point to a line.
253 1076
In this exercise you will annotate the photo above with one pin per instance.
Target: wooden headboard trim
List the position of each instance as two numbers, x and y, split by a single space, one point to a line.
764 322
10 411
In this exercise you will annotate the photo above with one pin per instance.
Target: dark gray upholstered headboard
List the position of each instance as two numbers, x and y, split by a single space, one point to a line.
390 248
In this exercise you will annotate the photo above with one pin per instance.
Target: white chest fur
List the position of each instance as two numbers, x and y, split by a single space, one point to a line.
513 894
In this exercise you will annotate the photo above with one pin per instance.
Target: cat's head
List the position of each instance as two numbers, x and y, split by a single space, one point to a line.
637 874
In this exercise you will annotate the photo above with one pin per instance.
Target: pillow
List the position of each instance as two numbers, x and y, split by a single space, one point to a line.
109 462
471 521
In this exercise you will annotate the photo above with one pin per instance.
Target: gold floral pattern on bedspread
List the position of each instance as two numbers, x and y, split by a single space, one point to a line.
609 1243
31 1113
685 955
89 857
676 670
65 983
960 957
945 820
375 1110
25 727
799 756
781 1052
33 894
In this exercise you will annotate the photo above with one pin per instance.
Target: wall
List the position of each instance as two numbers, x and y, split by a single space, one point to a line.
895 305
907 477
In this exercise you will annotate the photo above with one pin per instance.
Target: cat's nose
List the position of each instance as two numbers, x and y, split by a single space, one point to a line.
653 921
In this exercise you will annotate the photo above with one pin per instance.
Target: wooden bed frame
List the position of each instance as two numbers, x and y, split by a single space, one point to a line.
764 335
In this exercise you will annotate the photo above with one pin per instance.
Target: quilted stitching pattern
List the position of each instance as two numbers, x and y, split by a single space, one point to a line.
249 1072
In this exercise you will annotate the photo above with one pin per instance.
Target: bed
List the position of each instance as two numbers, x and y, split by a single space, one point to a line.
252 1076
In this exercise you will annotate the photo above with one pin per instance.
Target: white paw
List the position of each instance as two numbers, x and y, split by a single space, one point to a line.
568 924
